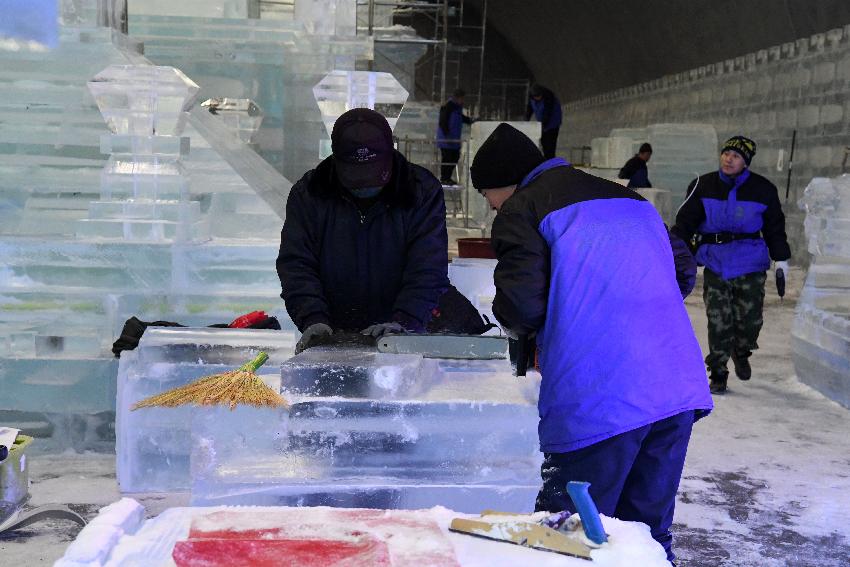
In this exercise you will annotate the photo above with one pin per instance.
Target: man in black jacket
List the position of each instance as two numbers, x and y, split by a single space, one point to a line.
364 243
635 169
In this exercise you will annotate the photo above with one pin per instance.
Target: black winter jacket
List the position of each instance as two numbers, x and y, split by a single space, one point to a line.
350 270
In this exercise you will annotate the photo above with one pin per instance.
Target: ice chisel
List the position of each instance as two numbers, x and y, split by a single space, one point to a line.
587 511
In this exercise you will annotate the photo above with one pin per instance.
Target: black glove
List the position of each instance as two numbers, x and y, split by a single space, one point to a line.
313 331
381 329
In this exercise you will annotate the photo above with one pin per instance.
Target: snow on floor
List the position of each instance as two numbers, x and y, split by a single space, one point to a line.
413 538
767 481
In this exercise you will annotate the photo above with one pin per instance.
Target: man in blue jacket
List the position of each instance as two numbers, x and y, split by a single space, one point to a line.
738 222
546 109
449 132
586 266
364 244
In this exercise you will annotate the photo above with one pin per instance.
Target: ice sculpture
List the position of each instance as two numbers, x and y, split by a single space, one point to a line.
378 431
820 335
340 91
327 17
144 186
242 115
153 445
273 62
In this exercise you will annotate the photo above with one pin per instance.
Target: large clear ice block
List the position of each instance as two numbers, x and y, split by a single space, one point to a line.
464 435
153 445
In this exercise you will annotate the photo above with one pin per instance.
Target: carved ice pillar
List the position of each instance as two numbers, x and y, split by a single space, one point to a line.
144 185
340 91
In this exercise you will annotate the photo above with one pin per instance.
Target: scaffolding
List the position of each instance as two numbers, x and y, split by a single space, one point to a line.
444 57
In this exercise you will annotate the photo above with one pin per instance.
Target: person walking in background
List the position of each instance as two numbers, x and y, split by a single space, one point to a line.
737 219
586 266
449 132
635 169
546 109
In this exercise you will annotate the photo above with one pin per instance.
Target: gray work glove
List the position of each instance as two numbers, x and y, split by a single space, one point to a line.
311 332
382 329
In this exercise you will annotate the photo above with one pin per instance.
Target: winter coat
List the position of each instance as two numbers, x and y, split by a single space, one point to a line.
636 172
587 266
450 126
747 204
547 110
349 269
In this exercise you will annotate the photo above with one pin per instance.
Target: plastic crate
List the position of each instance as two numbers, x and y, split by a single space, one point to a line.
14 474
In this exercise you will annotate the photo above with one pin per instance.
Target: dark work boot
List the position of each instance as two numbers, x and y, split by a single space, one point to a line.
742 366
718 383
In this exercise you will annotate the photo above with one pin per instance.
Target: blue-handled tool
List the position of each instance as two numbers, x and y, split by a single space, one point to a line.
587 511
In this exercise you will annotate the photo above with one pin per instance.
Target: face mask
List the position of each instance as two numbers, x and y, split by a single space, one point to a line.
366 192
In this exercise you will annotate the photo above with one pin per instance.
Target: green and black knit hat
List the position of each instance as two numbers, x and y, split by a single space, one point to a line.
742 145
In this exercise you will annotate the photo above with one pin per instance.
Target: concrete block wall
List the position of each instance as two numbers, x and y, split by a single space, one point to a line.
802 85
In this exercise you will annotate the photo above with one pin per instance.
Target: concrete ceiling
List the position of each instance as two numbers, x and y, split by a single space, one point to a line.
583 47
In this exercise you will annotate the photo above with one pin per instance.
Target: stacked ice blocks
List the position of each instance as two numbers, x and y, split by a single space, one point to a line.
680 153
820 335
376 430
153 444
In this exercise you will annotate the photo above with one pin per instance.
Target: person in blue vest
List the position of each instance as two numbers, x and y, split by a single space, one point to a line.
449 132
737 219
546 109
364 244
635 169
586 266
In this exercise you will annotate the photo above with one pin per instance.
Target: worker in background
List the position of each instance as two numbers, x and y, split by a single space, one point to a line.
546 109
737 219
622 371
449 132
364 244
635 169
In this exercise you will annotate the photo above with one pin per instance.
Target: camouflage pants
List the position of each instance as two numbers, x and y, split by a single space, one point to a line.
734 310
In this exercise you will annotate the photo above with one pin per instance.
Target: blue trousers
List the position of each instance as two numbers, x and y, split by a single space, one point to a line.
633 476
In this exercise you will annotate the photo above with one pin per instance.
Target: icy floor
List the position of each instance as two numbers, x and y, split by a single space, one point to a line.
767 481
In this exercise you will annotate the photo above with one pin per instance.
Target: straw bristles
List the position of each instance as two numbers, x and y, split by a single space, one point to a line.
237 387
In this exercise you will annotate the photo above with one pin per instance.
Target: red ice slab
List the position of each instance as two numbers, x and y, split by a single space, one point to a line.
412 537
232 552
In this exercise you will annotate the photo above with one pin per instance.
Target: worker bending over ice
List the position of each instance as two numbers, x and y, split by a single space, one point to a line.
586 266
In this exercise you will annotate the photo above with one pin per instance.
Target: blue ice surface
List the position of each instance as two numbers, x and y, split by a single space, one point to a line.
35 20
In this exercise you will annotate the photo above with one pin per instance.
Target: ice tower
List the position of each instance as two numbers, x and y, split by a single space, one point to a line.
820 335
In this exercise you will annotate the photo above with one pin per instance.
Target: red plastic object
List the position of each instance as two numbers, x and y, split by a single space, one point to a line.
248 319
475 248
365 552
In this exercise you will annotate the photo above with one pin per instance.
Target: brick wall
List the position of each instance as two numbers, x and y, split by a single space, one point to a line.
802 85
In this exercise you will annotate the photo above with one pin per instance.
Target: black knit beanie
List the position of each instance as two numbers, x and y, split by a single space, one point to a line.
504 159
744 146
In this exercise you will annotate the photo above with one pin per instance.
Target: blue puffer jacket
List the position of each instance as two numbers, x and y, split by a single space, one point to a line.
587 265
450 126
746 205
349 269
547 110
